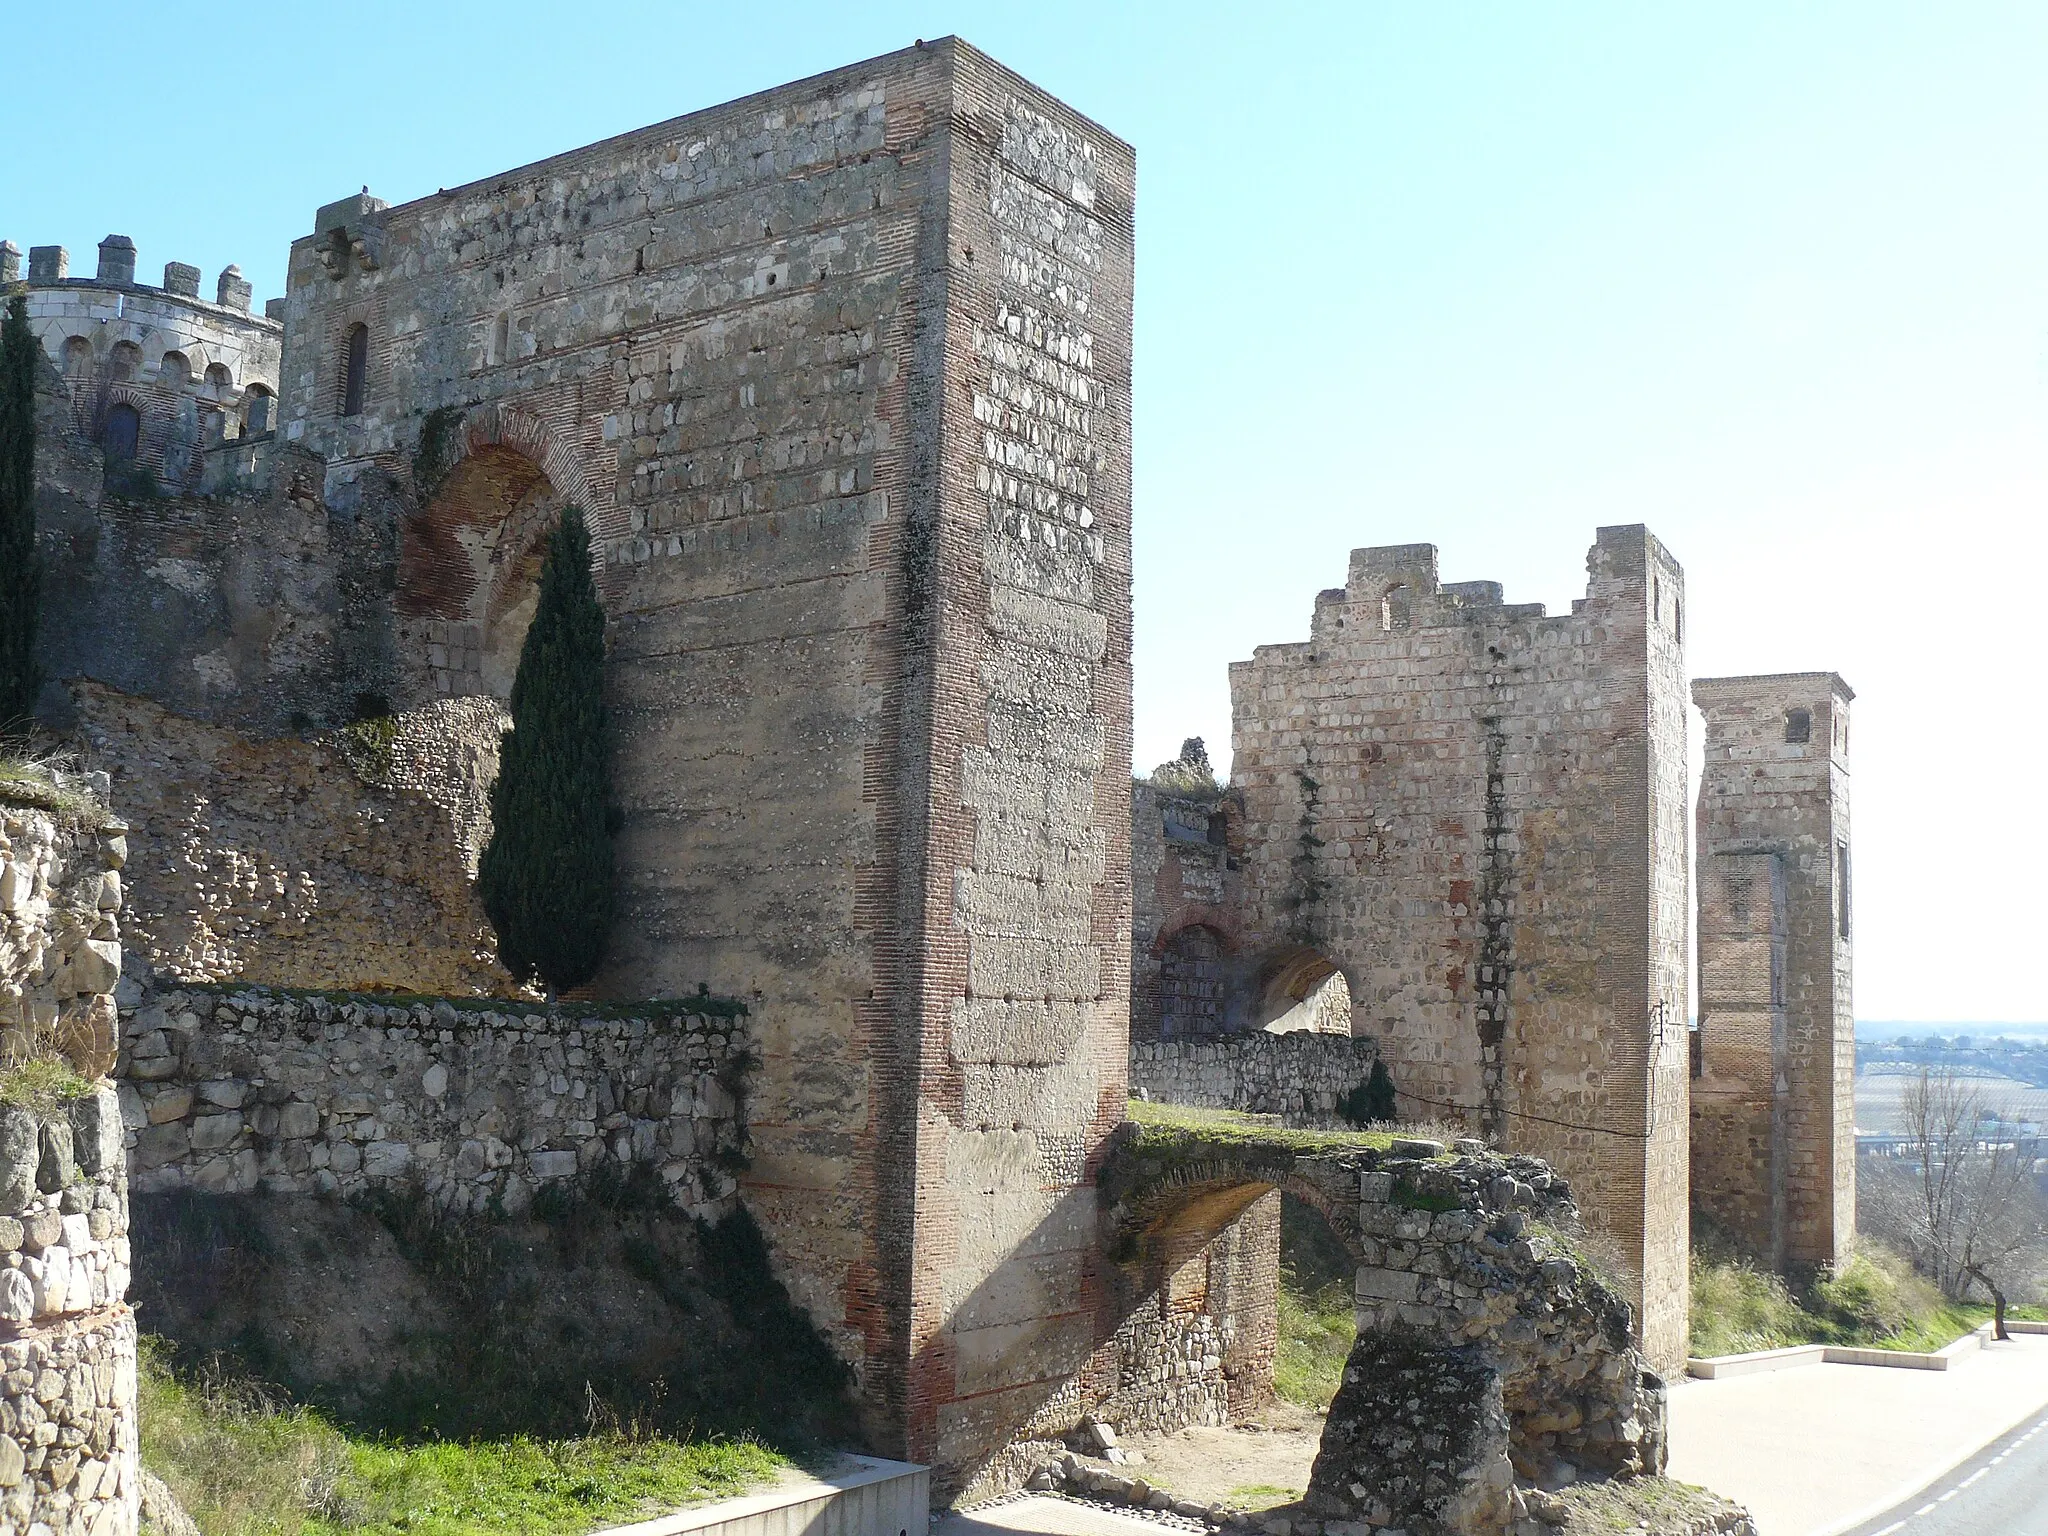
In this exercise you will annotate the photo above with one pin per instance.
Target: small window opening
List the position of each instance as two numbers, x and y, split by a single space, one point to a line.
1678 618
1842 889
258 410
122 435
1394 607
358 367
123 361
1219 828
501 340
1657 599
1799 725
77 357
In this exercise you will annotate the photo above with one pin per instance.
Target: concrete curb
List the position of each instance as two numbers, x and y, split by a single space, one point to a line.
1717 1367
869 1497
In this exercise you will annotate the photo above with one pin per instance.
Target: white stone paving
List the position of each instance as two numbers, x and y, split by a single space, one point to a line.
1822 1448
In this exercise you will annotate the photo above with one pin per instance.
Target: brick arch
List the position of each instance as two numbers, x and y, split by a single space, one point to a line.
529 434
1188 1203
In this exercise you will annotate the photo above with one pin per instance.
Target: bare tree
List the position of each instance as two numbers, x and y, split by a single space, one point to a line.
1970 1211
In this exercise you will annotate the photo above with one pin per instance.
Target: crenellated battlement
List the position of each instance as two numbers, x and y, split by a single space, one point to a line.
158 376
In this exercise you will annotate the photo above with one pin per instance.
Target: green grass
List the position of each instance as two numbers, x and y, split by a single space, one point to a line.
243 1464
1318 1320
1317 1329
1226 1128
42 1081
1875 1302
1256 1496
41 782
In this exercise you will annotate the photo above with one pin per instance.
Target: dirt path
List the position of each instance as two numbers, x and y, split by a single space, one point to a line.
1271 1453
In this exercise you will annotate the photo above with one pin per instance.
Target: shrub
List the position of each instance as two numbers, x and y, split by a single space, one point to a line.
1372 1101
546 878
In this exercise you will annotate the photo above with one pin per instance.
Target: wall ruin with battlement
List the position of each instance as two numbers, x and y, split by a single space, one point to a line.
191 374
1476 812
840 373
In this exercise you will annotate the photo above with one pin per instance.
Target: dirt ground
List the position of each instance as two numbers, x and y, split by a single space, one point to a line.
1271 1454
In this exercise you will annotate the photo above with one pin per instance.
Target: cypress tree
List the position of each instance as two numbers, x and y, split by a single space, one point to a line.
20 572
546 877
1371 1102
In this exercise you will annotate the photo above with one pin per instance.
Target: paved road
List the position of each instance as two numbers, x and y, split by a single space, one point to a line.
1824 1448
2001 1492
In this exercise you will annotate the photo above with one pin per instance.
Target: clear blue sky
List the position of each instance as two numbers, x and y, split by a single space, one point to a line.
1771 278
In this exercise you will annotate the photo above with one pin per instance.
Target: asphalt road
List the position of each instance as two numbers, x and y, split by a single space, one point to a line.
2001 1491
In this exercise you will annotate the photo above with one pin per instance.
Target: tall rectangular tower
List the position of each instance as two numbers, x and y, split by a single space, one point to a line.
840 373
1774 1056
1476 811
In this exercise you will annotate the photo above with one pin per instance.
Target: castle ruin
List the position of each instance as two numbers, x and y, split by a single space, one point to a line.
840 374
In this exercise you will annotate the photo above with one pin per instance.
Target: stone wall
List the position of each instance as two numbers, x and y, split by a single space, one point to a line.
67 1337
1199 1346
1188 972
1774 1057
1476 811
1299 1076
340 860
478 1106
60 933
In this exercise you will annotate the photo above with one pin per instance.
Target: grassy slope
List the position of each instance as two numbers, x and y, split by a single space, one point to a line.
244 1465
1876 1302
1317 1321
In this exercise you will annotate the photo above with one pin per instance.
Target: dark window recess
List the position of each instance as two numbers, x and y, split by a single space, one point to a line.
1219 829
258 410
358 366
1842 889
1799 725
122 436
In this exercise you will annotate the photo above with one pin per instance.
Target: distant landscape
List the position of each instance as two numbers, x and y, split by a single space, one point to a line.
2011 1058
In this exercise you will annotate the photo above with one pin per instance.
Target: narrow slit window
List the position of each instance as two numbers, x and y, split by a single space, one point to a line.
357 367
1842 889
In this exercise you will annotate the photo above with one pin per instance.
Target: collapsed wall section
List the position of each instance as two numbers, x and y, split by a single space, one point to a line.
1476 812
1774 1057
340 860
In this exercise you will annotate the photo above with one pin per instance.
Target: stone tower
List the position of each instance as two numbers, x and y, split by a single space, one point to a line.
1774 1057
1476 812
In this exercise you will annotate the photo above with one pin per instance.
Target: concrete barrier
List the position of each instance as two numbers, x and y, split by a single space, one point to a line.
1715 1367
863 1496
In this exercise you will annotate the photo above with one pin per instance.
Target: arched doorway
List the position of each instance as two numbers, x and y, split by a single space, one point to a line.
469 573
1302 989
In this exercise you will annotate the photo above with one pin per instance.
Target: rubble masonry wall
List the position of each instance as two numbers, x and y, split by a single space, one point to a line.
478 1106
